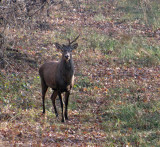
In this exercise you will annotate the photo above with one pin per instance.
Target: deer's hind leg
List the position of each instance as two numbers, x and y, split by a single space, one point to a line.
44 89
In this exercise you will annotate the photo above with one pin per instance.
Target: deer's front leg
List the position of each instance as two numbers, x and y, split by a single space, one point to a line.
61 102
66 104
53 98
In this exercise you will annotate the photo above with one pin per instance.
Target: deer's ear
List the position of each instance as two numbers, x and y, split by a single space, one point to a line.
74 46
58 46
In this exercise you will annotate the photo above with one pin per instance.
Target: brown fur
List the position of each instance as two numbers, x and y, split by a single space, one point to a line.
59 76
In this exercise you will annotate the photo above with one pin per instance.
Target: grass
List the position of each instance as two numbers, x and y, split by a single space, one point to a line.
144 11
115 99
132 124
127 49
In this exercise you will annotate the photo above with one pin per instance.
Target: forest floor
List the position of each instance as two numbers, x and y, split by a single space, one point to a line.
116 97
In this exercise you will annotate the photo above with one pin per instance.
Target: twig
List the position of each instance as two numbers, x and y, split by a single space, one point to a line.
38 10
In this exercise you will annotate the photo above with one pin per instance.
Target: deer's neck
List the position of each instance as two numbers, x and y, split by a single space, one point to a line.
67 67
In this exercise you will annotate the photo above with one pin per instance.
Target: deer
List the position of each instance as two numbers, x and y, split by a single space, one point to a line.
59 75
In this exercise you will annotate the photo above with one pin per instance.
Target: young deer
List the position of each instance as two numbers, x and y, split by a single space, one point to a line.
59 76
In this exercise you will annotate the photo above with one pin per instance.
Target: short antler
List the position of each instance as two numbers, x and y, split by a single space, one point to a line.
70 42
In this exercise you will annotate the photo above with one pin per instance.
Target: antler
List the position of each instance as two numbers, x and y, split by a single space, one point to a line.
70 42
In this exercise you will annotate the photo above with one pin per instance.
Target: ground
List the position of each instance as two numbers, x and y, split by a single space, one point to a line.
116 97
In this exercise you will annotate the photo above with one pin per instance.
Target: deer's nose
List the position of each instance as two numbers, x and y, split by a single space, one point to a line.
66 56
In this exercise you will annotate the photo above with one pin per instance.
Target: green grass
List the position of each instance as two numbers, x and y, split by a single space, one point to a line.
146 12
132 123
132 50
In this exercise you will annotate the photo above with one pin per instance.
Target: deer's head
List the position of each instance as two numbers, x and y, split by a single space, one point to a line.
67 49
